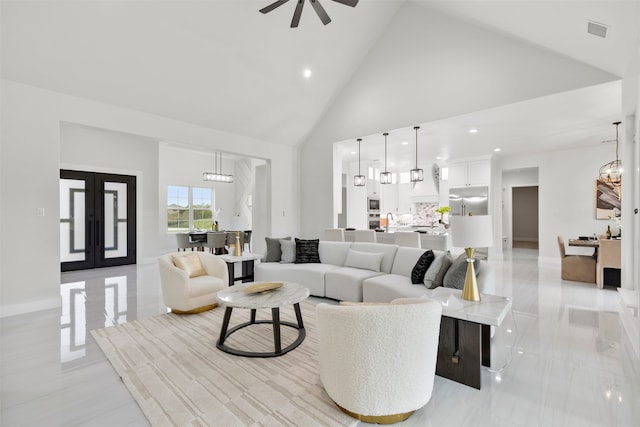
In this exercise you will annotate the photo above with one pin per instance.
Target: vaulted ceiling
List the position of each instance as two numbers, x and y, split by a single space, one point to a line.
224 65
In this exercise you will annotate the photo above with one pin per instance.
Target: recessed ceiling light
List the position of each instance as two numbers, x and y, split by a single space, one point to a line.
354 152
405 143
474 130
306 73
438 158
497 149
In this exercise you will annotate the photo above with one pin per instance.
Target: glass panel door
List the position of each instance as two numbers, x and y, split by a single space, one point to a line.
97 220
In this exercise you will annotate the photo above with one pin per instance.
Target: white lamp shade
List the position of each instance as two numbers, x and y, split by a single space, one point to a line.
473 231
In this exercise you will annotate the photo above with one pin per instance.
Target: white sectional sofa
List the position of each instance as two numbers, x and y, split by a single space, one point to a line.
336 276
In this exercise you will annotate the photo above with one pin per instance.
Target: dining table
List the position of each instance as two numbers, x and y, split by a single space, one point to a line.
586 243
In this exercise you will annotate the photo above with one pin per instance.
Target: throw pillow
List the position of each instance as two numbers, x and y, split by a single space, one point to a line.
436 271
421 267
307 251
274 251
190 263
288 251
363 260
454 278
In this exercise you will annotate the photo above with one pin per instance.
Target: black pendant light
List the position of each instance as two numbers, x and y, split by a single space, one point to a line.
416 174
359 180
385 177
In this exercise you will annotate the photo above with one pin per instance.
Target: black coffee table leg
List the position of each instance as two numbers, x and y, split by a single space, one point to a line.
275 312
225 325
296 308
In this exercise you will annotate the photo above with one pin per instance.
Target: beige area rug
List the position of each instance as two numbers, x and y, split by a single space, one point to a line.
178 377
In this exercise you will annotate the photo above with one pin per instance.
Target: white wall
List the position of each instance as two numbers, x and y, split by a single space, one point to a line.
29 175
445 68
566 194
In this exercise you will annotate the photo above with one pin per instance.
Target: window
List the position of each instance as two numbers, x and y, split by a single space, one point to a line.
188 207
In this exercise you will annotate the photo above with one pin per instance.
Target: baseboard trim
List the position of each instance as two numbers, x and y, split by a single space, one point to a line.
30 307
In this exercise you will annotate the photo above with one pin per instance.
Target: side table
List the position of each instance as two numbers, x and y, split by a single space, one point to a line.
247 261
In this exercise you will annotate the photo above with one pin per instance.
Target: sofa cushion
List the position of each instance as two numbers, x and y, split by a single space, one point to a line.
405 259
388 251
454 278
288 248
333 252
311 276
307 251
190 263
364 260
438 268
345 283
419 270
387 287
274 250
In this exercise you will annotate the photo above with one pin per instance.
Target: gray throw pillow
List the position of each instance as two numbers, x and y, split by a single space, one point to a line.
274 251
288 251
436 271
458 271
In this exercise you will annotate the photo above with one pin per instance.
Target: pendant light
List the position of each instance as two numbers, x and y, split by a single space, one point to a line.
359 180
385 177
611 172
416 174
217 175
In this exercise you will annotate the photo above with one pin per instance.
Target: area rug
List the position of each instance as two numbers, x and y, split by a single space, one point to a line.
178 377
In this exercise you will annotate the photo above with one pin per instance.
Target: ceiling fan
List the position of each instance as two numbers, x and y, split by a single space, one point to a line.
322 14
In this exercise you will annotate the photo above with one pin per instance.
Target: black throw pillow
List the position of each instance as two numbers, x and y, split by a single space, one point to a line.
307 251
421 267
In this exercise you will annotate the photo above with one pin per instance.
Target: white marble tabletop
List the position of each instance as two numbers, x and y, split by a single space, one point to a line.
290 293
490 310
244 257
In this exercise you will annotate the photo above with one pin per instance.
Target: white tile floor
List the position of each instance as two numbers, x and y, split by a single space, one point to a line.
569 364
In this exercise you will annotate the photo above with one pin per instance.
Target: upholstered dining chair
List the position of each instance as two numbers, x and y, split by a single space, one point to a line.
386 385
579 268
216 240
334 234
365 236
231 239
407 238
191 281
184 242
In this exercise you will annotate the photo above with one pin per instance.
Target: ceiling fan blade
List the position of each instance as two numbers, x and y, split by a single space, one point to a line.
322 14
351 3
273 5
296 14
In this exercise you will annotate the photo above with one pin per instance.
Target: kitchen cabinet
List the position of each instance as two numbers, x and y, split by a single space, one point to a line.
470 173
373 187
389 198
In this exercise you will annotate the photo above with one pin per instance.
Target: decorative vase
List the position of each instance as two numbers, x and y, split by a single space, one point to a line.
238 249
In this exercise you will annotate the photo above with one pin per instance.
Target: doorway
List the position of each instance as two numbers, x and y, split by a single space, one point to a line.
97 220
524 225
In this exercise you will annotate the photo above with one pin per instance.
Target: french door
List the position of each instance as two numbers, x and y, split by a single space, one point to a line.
97 220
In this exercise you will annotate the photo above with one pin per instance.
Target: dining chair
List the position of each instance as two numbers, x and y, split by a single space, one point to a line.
185 242
216 241
407 238
365 236
334 234
609 255
231 239
579 268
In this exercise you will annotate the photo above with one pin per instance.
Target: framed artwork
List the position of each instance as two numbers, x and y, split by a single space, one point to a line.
608 200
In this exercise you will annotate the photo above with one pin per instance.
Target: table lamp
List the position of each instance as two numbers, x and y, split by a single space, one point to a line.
470 232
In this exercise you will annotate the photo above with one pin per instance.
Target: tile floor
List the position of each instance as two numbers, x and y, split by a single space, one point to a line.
567 361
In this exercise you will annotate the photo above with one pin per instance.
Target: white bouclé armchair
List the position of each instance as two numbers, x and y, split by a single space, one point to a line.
377 362
185 294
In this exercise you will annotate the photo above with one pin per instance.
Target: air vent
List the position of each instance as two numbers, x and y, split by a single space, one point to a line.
597 29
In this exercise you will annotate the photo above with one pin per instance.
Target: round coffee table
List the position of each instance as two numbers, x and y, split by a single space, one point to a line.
235 297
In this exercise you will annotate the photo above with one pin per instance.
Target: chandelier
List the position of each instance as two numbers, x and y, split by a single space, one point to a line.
217 175
611 173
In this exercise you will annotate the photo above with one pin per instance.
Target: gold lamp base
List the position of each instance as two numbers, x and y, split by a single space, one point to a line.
470 291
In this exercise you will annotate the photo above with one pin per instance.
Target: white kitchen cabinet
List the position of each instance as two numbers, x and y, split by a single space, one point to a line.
389 198
470 173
